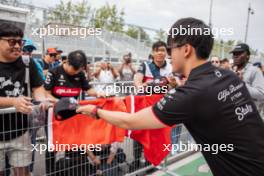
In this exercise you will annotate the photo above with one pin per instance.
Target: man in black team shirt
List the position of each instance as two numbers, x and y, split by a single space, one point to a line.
67 80
14 136
214 104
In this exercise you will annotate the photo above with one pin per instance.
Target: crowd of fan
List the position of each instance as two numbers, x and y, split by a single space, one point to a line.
69 75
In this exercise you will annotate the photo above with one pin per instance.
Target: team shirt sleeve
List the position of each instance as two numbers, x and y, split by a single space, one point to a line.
85 83
175 107
50 81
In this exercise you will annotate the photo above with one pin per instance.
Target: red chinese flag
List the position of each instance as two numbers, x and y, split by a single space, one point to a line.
81 129
152 140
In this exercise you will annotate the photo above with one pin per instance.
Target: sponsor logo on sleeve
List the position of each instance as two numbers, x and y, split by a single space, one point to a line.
242 111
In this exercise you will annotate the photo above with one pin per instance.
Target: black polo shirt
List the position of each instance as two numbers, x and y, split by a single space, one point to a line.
216 108
62 84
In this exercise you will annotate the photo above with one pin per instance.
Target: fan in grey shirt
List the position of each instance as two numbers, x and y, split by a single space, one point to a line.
250 74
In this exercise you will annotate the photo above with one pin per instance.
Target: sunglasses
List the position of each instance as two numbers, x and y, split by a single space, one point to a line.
28 50
52 55
176 45
13 42
237 53
215 62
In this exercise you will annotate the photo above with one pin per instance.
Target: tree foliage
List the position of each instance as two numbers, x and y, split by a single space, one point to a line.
108 17
69 13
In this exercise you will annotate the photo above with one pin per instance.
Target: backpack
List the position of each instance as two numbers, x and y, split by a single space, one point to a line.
26 61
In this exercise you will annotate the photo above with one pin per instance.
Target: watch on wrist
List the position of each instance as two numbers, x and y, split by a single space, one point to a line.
94 113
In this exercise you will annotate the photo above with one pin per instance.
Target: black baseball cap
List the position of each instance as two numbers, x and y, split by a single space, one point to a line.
65 108
241 47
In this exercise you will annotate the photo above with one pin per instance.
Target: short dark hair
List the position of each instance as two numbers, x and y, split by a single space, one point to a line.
158 44
77 59
224 60
202 43
10 30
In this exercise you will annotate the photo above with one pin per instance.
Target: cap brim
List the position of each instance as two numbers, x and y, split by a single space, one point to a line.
236 50
64 110
65 114
52 52
31 46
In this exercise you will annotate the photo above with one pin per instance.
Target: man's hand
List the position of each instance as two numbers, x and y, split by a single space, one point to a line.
87 109
176 81
172 81
49 102
52 100
111 157
23 105
100 95
96 161
181 81
240 74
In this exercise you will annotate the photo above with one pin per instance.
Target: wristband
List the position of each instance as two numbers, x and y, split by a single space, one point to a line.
94 113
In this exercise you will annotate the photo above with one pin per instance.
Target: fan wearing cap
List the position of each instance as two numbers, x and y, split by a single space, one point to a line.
58 58
27 49
250 74
48 60
68 79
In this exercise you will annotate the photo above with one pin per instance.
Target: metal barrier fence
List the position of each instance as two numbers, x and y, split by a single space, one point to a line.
115 159
127 157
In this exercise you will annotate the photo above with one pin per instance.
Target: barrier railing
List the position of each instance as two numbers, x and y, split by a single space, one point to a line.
124 158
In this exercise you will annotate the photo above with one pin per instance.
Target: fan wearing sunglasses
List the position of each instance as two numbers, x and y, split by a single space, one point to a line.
215 61
14 135
48 61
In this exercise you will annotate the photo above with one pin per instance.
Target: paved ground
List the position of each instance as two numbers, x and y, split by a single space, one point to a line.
194 165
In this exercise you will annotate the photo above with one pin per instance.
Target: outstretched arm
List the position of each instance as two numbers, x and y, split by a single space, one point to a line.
144 119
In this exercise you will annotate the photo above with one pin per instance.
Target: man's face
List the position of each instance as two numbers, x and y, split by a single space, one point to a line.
215 61
103 65
58 57
159 54
27 50
27 53
127 59
72 71
240 58
177 60
225 65
10 47
51 57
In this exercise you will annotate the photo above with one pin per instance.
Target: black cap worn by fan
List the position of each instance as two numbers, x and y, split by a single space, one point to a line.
65 108
240 48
